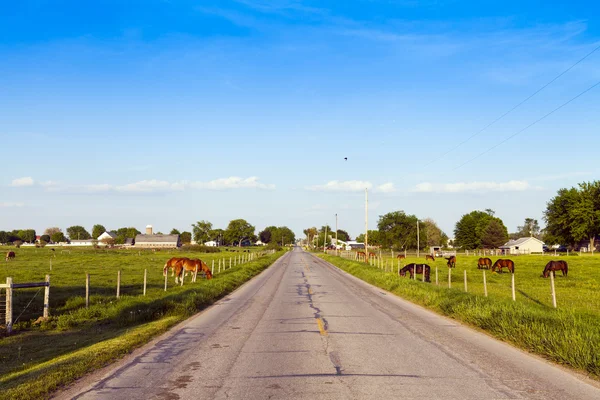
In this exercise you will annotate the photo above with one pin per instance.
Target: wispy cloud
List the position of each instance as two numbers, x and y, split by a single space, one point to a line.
386 188
477 187
20 182
11 205
341 186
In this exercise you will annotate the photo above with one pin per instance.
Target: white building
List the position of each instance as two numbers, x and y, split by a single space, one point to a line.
211 243
107 235
526 245
157 241
82 242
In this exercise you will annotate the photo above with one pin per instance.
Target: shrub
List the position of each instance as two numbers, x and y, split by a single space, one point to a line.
200 248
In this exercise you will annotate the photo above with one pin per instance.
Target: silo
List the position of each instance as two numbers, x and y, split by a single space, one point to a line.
148 229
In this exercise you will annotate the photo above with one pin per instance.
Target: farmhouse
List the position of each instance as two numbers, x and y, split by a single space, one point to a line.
353 245
107 235
157 241
82 242
211 243
525 245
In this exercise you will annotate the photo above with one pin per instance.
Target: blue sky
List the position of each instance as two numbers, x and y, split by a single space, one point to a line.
168 112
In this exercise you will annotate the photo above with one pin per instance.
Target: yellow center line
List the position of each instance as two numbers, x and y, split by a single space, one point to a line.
321 327
310 291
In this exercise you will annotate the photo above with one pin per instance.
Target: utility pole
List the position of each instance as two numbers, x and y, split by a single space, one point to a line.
367 223
418 239
336 234
325 240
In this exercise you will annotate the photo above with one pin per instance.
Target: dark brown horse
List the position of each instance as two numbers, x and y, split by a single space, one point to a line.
429 257
554 266
504 263
451 261
400 256
372 255
410 268
10 255
361 255
484 263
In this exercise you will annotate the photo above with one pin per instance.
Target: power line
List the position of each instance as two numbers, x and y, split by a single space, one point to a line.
528 126
514 108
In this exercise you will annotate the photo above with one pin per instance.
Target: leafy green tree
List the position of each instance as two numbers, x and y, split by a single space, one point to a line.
470 229
435 236
374 238
4 237
97 230
282 234
494 235
342 235
58 237
202 230
174 232
311 234
266 234
399 231
530 228
185 237
51 230
218 236
45 238
27 235
238 231
573 214
78 232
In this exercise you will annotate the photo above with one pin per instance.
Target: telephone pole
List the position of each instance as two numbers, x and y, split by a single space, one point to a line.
336 235
418 240
367 223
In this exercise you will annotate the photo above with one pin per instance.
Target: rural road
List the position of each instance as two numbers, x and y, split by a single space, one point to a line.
304 329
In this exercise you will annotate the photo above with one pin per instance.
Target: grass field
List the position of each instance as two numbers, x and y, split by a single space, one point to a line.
39 358
569 335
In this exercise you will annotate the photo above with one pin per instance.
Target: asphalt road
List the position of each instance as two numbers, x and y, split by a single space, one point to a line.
304 329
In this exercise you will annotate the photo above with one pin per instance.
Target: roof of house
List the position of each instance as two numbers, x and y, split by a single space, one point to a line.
111 234
519 241
156 239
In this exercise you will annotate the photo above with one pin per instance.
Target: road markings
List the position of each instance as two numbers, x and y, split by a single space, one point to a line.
310 291
321 327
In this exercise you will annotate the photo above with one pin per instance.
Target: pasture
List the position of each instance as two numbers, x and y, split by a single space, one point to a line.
569 335
40 356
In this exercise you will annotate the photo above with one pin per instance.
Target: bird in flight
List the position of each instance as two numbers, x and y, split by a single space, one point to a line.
345 158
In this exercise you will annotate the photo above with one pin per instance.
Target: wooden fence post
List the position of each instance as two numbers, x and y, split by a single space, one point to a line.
423 273
436 277
87 290
552 287
449 278
166 278
465 271
212 271
484 285
145 280
9 305
118 284
50 263
512 284
229 262
47 297
196 273
415 272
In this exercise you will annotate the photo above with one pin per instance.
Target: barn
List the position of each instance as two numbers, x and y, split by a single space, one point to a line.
525 245
157 241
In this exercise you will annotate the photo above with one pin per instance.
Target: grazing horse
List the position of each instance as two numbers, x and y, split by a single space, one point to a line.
361 254
400 256
484 263
192 266
410 268
451 261
175 264
10 255
554 266
504 263
429 257
372 255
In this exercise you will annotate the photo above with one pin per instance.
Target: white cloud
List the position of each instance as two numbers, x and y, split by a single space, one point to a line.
232 182
10 205
20 182
341 186
478 187
386 188
150 186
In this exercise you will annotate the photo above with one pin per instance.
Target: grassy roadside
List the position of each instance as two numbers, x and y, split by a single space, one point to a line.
41 360
566 336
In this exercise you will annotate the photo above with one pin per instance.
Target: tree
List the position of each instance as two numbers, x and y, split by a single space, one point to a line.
399 231
97 230
470 229
374 238
45 238
217 235
185 237
342 235
435 236
108 241
494 235
266 234
239 230
58 237
27 235
530 228
282 235
310 233
4 237
78 232
174 232
201 231
51 230
573 214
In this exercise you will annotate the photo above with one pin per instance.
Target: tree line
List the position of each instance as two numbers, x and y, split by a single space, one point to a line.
240 232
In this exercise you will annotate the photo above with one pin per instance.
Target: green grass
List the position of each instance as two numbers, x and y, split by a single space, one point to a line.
569 335
39 358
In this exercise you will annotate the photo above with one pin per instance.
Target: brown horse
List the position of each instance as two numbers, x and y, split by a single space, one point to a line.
410 268
372 255
484 263
429 257
451 261
504 263
196 265
554 266
10 255
360 255
400 256
175 264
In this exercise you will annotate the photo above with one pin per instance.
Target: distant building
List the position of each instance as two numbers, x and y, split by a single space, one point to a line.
211 243
260 243
86 242
353 245
107 235
525 245
157 241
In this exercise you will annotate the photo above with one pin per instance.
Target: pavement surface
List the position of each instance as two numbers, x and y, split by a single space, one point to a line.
305 329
